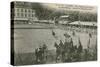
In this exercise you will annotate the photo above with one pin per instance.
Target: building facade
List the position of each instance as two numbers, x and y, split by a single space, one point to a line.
23 13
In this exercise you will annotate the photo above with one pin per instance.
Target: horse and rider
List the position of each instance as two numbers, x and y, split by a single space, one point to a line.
41 54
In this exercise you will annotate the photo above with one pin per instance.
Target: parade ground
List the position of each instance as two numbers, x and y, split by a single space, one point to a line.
28 37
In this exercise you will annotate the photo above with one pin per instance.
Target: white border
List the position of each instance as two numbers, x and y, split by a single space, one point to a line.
5 33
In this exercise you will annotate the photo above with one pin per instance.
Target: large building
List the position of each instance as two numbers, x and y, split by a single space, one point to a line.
23 13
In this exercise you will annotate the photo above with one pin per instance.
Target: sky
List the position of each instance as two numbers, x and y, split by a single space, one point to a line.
59 7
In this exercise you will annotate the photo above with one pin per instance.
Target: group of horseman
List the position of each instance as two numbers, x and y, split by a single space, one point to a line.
67 52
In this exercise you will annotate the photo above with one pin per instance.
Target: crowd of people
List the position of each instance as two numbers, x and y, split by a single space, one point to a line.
92 30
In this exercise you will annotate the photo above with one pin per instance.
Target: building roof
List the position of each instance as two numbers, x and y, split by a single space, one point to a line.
64 16
84 23
19 4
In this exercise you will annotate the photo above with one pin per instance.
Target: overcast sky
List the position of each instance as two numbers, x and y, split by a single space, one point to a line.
58 7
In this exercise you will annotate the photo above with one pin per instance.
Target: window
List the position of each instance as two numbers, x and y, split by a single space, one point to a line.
29 15
17 10
32 15
29 11
18 15
25 15
33 11
25 10
21 14
21 10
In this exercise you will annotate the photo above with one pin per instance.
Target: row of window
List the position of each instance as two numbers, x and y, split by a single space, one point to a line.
23 10
24 15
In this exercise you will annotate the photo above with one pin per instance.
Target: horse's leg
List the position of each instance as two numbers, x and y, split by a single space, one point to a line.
56 57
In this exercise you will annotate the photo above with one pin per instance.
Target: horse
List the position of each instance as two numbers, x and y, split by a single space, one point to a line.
58 52
45 52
